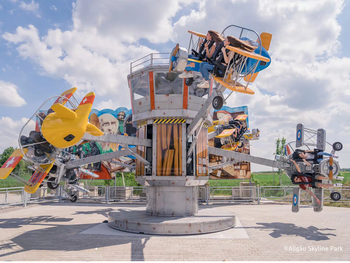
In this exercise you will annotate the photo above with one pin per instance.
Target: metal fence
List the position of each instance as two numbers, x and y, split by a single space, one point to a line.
109 194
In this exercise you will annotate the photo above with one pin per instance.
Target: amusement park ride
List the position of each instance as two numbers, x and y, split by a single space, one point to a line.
174 124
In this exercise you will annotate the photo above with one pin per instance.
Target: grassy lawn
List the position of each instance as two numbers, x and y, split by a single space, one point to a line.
262 179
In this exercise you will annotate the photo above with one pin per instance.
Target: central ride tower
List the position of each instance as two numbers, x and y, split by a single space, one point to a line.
164 109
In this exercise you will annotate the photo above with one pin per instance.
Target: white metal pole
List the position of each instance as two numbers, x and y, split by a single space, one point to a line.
123 179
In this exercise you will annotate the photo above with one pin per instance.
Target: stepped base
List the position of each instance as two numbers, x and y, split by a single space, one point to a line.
136 220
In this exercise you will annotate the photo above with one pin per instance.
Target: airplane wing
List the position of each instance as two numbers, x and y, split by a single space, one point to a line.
65 96
230 147
242 117
11 163
38 177
225 133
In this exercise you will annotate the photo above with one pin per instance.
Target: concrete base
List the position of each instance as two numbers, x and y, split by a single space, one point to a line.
207 220
172 200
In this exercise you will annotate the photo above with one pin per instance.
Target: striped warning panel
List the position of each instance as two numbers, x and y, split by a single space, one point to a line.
166 121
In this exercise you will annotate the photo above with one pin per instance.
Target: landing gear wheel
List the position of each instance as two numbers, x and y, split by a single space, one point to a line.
337 146
52 184
335 196
218 102
200 92
73 198
189 81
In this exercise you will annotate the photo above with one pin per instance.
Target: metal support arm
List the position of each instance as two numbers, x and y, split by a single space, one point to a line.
247 158
98 158
120 139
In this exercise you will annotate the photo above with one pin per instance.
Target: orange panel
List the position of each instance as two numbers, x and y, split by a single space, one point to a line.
185 96
197 34
151 89
132 105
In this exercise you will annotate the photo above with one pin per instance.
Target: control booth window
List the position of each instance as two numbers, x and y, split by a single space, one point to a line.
168 83
140 86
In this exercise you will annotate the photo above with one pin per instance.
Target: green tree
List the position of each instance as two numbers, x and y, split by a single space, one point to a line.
280 144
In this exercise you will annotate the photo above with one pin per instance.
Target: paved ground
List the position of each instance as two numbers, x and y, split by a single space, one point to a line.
59 232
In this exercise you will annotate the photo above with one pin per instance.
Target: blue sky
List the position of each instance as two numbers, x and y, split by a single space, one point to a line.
310 41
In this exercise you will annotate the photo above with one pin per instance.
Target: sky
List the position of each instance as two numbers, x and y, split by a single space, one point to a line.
47 47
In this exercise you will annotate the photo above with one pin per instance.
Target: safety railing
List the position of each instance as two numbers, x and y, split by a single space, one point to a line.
12 196
233 194
153 59
280 193
108 194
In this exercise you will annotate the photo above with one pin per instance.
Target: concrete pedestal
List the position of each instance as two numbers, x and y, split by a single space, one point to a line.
172 210
136 220
172 200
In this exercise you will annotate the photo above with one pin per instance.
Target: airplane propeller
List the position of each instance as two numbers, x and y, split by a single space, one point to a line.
330 175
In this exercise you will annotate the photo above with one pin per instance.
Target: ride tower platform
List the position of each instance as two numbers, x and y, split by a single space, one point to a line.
175 117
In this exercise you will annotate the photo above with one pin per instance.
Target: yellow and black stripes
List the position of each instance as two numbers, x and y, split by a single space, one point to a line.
168 121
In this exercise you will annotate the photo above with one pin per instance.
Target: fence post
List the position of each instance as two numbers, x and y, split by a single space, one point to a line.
6 196
60 194
207 188
25 198
258 194
106 193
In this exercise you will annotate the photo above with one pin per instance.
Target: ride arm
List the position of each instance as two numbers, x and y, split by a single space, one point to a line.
98 158
247 158
120 139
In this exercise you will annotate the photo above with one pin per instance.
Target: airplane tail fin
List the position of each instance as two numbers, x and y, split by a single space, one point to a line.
265 42
87 101
86 105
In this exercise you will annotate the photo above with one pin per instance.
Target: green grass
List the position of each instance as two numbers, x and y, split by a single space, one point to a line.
262 179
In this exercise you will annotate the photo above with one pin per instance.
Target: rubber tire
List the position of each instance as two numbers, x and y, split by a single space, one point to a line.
51 184
335 196
337 146
240 145
73 198
218 102
189 81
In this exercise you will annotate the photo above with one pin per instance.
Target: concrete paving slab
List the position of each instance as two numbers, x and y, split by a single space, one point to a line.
55 231
237 232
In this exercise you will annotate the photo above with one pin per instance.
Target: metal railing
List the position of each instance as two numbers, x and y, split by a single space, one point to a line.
153 59
217 194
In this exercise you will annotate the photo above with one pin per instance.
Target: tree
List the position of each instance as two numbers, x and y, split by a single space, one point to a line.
280 144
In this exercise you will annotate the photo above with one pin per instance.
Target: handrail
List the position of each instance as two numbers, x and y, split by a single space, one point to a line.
152 59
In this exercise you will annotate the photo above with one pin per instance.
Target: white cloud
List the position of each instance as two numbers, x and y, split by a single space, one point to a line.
306 80
9 131
30 7
9 96
53 8
1 7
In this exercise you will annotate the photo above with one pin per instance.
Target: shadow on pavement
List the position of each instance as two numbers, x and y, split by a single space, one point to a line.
67 238
309 233
35 220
